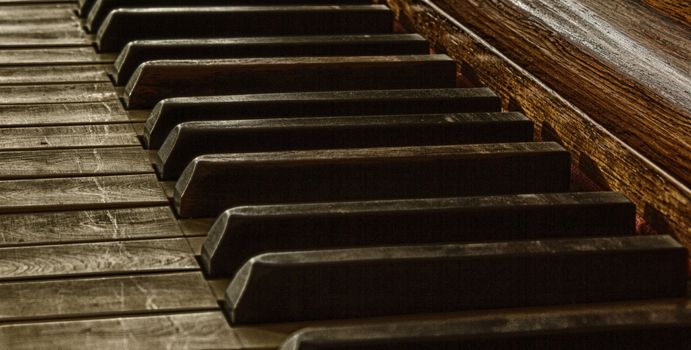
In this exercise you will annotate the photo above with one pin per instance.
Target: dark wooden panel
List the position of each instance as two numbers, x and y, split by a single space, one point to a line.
612 164
197 330
87 225
62 114
52 56
212 183
124 25
241 233
80 193
633 79
655 328
170 112
105 258
291 286
101 8
192 139
58 93
52 74
138 52
72 136
105 296
73 162
157 80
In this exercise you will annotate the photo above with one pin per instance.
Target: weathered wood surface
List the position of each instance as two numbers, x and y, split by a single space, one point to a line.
52 74
638 329
105 296
157 80
66 37
70 136
677 9
80 193
17 13
661 199
87 225
213 183
633 79
191 139
102 258
367 282
138 52
101 8
57 93
170 112
62 114
195 330
73 162
52 56
125 25
243 232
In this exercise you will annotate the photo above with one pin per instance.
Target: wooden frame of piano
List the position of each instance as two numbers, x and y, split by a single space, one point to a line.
662 200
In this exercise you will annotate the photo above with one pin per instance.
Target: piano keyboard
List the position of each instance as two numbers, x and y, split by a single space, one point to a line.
294 174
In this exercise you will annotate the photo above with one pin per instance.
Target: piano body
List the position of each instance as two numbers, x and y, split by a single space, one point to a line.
343 174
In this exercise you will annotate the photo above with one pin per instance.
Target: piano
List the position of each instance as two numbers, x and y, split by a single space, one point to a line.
344 174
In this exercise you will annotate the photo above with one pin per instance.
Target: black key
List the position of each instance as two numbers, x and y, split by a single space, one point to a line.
170 112
191 139
213 183
124 25
243 232
85 7
655 325
368 282
156 80
101 8
138 52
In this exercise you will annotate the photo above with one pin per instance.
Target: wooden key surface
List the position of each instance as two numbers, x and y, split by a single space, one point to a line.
291 286
157 80
124 25
140 51
170 112
226 180
243 232
191 139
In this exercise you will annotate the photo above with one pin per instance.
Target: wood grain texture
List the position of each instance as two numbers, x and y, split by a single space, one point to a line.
660 198
58 93
156 80
87 225
105 258
62 114
105 296
73 162
52 74
52 56
680 10
196 330
73 136
80 193
624 65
